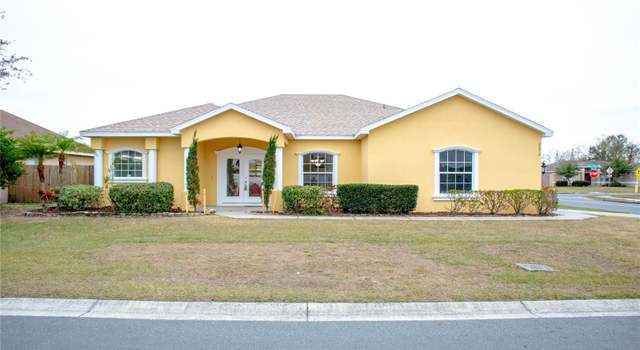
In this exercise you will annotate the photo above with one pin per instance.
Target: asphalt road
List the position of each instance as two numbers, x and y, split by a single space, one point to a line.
583 201
90 333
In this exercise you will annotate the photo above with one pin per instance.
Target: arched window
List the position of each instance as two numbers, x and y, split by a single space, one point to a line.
127 164
318 169
456 170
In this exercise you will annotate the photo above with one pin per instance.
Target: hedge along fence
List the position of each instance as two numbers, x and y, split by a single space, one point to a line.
544 202
377 199
141 197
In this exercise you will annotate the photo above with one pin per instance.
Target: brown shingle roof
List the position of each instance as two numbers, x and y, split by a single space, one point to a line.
336 115
21 127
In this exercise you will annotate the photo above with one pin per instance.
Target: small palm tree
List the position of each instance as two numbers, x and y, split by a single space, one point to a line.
64 144
38 147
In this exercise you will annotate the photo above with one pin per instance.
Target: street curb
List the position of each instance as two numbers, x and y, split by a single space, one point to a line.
317 312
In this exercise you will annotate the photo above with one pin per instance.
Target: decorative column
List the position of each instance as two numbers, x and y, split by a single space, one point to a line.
185 152
151 145
153 165
98 164
279 167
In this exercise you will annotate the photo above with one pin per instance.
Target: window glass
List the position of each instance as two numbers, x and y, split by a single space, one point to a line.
456 170
317 169
127 164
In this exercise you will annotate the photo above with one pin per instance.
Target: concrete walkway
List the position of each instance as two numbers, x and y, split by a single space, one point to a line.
156 310
562 215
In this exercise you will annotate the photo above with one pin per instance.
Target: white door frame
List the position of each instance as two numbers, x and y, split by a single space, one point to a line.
247 154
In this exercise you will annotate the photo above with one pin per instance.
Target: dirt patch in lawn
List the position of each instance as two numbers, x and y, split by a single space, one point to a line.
341 270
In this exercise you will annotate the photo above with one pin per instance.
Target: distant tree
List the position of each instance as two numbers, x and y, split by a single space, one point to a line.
620 168
38 147
615 147
10 64
11 167
567 171
193 176
269 170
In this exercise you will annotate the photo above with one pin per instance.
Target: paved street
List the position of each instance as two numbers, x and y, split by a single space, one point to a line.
583 201
550 333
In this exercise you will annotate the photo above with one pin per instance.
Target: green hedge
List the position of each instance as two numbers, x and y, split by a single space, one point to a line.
80 197
142 197
306 200
376 198
580 183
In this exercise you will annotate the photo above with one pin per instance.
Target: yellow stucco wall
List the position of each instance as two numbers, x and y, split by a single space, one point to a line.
231 124
348 159
401 152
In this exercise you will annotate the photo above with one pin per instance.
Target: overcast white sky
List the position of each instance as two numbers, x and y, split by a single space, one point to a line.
573 66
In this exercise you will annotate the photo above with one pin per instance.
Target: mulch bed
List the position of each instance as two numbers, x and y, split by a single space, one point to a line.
104 211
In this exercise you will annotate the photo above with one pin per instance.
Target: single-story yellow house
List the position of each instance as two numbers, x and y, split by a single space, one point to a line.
454 141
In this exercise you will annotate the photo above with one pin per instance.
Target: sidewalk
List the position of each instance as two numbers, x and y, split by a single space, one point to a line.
315 312
562 215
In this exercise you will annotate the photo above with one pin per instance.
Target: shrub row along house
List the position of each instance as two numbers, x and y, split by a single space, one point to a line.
456 141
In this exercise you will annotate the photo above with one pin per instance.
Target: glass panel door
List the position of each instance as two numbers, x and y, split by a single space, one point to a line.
233 177
255 178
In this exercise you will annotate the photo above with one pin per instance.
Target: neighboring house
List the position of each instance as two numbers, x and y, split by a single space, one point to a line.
23 127
454 141
584 172
79 163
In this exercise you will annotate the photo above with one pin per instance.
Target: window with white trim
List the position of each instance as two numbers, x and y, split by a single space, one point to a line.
128 164
318 169
455 170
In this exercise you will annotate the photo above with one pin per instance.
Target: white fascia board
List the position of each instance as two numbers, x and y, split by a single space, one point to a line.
125 134
546 132
325 137
230 106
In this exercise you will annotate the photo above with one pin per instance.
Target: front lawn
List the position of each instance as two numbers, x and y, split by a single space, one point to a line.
214 258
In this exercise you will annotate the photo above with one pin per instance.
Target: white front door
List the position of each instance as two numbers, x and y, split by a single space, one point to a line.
240 176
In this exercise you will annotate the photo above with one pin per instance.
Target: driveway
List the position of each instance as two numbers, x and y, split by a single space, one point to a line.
587 201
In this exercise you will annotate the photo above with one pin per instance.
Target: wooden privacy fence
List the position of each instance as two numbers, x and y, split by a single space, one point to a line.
26 188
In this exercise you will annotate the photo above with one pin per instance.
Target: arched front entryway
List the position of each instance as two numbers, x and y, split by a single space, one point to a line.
239 176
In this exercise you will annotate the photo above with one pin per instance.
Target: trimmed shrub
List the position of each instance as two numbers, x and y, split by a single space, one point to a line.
518 200
492 201
308 200
580 183
80 197
562 183
614 184
142 197
377 198
545 201
457 201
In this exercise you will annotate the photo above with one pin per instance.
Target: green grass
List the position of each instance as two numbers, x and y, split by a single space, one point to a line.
214 258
